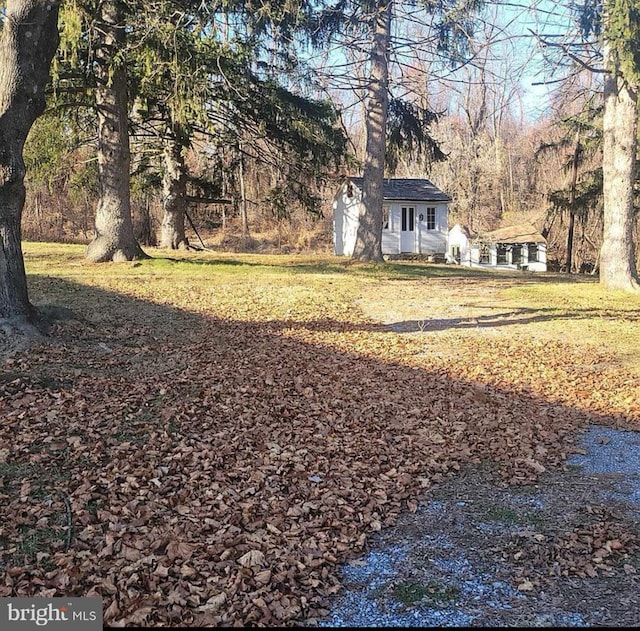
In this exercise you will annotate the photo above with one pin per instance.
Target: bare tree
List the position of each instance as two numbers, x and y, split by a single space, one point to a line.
484 130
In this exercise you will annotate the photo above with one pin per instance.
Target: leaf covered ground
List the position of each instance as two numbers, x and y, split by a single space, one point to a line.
562 552
207 439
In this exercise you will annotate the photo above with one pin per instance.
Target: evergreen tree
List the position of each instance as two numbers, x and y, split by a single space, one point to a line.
114 239
189 68
582 139
449 23
616 24
194 80
91 71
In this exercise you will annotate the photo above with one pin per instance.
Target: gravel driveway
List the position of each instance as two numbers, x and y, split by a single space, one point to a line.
562 552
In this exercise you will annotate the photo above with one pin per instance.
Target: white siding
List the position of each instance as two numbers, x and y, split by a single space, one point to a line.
532 266
458 239
425 241
470 253
346 216
431 241
391 237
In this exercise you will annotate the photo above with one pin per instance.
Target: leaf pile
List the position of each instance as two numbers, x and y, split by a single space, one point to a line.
597 547
216 466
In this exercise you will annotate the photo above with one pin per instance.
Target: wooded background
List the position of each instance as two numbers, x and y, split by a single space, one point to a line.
250 188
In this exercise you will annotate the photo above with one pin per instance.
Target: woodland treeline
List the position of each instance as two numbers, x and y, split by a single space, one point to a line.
507 171
145 119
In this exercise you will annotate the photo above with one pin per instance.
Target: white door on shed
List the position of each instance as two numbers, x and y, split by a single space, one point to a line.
408 229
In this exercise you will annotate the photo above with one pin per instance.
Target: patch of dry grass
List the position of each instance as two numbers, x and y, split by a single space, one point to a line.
420 297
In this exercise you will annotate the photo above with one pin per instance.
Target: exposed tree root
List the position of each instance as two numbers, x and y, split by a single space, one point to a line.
18 333
629 285
103 250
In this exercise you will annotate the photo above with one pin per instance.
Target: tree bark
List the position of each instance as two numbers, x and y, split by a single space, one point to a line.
174 194
617 256
572 202
244 217
114 239
28 41
368 245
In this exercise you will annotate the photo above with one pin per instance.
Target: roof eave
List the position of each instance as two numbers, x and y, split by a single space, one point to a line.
416 199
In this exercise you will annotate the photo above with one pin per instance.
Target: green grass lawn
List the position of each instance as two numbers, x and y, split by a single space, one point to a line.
256 286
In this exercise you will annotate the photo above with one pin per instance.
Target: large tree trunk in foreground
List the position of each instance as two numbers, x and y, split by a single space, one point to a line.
617 256
114 239
174 194
28 42
368 246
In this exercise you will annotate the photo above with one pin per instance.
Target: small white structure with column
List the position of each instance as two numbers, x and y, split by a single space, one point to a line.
520 247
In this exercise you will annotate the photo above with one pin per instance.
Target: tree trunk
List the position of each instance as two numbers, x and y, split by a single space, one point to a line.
368 246
570 232
617 256
28 41
114 239
499 181
144 232
244 217
174 194
572 202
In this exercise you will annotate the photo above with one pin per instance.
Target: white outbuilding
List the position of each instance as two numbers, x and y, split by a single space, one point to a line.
519 247
415 217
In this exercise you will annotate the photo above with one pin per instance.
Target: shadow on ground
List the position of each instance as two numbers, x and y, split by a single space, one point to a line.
563 552
219 471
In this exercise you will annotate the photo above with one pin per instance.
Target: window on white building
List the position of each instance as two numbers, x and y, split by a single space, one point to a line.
431 219
517 255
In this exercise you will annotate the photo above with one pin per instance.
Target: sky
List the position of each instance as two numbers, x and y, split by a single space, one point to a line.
517 55
547 21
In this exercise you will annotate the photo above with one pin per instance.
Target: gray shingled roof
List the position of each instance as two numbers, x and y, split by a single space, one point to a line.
409 189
